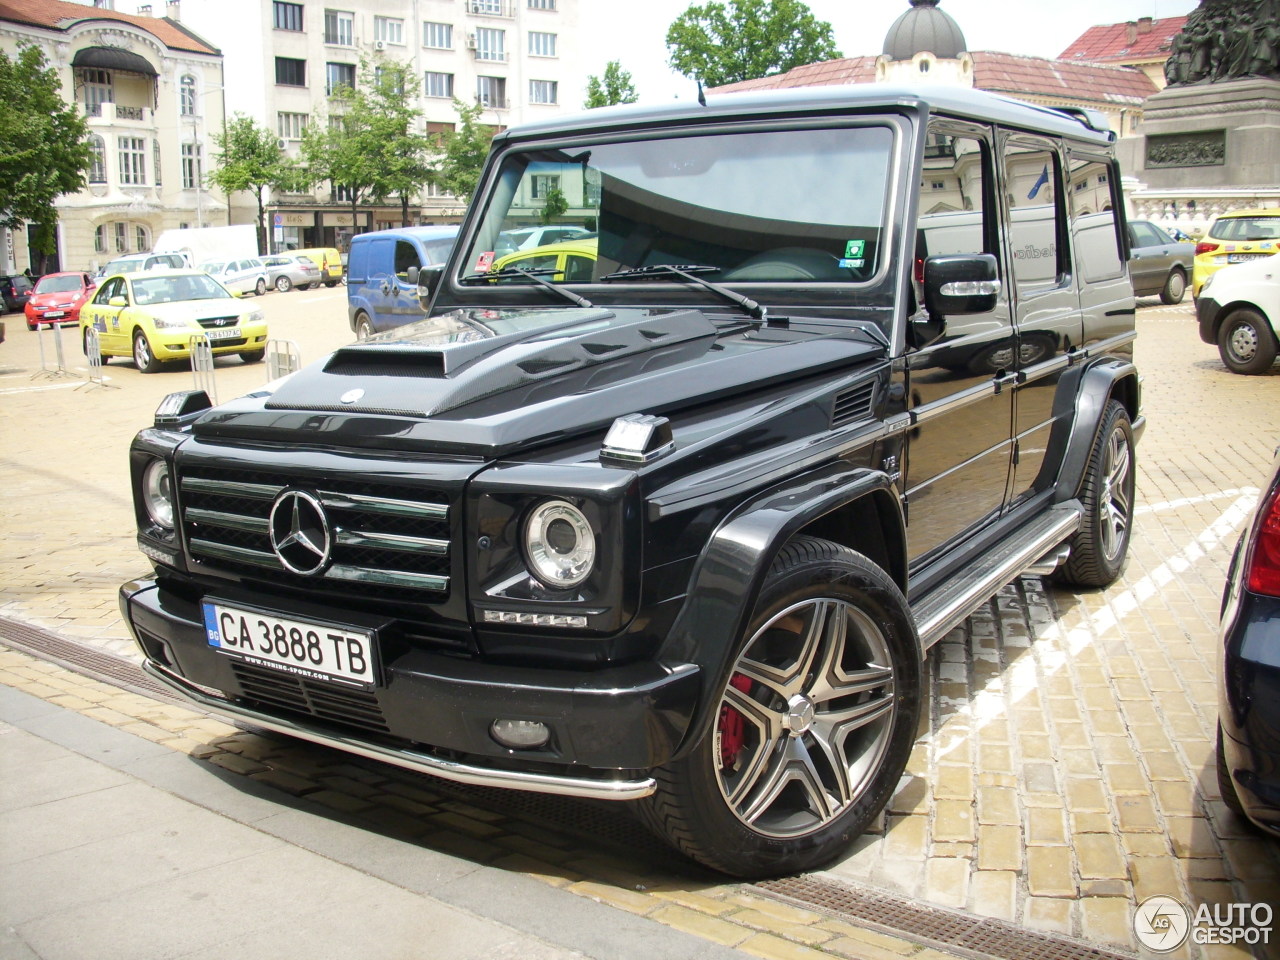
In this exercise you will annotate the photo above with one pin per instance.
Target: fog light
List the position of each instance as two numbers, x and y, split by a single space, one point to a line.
520 734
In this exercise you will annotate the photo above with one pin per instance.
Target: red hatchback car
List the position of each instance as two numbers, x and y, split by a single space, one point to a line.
57 298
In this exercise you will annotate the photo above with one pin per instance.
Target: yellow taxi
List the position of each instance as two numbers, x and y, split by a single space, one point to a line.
152 316
1235 237
573 260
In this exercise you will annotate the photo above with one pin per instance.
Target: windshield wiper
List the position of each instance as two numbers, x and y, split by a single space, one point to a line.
534 275
689 271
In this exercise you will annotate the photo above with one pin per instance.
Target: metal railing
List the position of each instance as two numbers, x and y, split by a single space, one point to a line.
202 365
93 354
59 359
283 358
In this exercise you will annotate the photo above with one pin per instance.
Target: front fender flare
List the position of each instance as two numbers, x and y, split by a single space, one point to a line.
729 573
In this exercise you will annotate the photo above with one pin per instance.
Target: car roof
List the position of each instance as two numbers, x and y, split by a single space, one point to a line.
837 99
578 245
440 232
1261 212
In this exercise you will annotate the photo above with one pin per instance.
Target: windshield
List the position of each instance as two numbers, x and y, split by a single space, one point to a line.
213 266
793 206
58 284
122 266
194 286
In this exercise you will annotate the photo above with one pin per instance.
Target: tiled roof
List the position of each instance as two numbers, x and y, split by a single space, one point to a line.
1125 41
996 72
59 15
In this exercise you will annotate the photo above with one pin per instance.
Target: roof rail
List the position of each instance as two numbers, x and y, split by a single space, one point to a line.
1093 119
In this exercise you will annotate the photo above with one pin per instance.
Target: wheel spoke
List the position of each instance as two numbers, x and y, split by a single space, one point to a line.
790 764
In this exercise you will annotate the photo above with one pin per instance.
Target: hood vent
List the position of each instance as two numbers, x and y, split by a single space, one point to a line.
853 404
385 363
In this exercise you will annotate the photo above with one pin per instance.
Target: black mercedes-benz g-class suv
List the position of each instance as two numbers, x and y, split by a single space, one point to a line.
671 513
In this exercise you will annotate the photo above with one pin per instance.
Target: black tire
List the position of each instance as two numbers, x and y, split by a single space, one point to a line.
1226 786
1246 342
813 726
143 355
84 345
253 356
332 283
283 284
261 288
1175 287
364 326
1099 547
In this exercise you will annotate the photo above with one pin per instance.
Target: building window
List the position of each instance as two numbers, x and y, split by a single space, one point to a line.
492 91
187 96
140 237
155 160
389 30
543 91
439 36
290 72
339 75
489 7
491 44
192 165
97 91
122 236
291 126
100 238
542 185
542 44
542 4
288 16
339 28
438 84
435 191
97 160
133 160
339 193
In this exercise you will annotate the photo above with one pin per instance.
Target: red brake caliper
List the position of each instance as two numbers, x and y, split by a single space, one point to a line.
733 726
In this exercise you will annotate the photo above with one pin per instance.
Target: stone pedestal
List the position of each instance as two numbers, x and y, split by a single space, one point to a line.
1222 134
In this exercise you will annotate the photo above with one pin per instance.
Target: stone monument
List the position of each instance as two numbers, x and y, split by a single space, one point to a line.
1214 131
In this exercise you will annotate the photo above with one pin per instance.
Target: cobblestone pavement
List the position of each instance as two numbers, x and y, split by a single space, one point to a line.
1066 771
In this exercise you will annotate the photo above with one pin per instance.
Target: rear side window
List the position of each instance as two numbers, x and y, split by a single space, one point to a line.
1095 239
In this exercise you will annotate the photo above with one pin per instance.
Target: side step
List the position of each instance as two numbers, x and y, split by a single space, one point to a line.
951 601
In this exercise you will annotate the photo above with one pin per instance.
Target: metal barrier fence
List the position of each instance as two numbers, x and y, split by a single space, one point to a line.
93 354
202 365
59 358
283 357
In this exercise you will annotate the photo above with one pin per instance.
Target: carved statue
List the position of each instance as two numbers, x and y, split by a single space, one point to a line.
1226 40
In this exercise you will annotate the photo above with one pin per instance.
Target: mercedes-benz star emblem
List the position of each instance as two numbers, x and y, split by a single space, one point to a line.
351 396
300 533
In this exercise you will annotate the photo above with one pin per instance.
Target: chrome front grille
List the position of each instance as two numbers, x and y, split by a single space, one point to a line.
387 539
230 321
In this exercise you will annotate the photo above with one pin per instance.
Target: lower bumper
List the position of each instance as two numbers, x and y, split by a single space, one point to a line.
432 713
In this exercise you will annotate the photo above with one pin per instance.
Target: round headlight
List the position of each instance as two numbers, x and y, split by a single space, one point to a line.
157 493
560 544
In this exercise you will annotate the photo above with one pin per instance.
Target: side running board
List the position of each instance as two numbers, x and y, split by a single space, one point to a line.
951 601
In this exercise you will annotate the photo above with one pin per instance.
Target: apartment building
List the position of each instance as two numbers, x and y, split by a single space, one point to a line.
283 57
151 91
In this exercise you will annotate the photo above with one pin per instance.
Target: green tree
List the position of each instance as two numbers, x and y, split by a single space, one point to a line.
367 145
249 158
464 150
555 205
44 148
613 88
719 43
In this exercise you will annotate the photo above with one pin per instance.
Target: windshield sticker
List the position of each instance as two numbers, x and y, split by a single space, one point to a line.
855 250
484 262
847 264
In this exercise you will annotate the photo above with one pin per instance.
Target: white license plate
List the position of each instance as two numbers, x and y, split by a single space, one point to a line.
1245 257
54 314
319 651
229 333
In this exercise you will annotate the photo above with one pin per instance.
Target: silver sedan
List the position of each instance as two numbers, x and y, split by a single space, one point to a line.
286 271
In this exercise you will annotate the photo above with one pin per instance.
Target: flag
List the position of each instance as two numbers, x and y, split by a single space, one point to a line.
1040 182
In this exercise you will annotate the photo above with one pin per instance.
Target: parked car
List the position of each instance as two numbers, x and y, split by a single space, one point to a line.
58 297
289 271
683 534
133 262
1249 682
1239 310
383 271
1236 237
1158 264
15 291
525 238
573 260
247 275
151 316
328 259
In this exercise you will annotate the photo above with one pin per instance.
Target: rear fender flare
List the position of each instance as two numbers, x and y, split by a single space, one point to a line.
1110 379
728 575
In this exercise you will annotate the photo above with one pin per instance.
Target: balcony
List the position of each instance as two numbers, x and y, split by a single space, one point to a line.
491 8
110 114
492 56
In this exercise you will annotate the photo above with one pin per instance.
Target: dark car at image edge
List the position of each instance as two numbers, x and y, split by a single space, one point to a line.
1249 701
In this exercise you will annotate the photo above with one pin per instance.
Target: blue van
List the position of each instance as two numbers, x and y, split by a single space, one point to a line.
380 291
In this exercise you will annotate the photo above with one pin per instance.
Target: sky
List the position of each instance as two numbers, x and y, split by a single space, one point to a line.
1035 28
